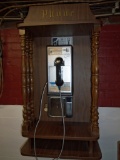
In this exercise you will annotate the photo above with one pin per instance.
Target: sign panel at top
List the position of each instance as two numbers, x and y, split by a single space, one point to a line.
59 14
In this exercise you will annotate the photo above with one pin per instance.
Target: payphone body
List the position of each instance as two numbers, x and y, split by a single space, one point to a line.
59 77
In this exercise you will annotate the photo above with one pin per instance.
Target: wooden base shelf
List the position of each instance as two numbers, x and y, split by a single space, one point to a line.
79 142
54 130
72 149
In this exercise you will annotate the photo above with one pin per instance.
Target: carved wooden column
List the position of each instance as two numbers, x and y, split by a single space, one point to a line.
94 79
31 78
27 81
25 124
27 50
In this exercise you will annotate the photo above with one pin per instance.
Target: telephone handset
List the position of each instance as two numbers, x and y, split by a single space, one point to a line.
58 63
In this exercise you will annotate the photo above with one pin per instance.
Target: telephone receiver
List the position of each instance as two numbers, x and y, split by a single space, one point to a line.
58 63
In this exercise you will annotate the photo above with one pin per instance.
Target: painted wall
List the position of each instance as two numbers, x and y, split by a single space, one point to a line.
12 91
109 66
11 139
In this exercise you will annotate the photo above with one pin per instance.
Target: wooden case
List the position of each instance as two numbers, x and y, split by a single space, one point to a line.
82 130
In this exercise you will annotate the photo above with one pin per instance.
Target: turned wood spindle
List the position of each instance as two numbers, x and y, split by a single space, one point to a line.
28 78
31 78
94 79
25 116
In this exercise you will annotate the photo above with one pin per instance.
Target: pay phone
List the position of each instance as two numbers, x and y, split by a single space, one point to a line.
59 67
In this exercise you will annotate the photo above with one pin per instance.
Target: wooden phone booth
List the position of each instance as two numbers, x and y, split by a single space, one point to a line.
82 129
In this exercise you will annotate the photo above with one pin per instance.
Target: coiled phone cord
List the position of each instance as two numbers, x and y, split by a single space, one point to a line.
63 121
40 111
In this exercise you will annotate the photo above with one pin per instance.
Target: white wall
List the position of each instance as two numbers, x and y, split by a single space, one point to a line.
109 120
11 139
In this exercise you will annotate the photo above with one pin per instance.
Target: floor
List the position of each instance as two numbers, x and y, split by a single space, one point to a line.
11 139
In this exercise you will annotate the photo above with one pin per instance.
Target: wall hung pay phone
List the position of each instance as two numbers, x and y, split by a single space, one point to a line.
59 67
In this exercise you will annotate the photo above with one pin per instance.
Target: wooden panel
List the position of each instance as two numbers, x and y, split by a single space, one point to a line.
61 30
81 77
59 14
54 130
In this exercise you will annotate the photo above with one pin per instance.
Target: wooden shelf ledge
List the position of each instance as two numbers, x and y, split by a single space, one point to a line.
54 130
